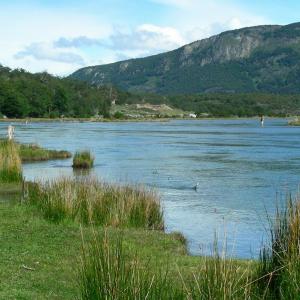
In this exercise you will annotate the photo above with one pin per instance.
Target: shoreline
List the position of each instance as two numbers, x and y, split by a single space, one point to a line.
94 120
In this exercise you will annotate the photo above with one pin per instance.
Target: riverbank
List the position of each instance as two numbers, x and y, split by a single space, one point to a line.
39 259
75 120
45 259
49 249
27 121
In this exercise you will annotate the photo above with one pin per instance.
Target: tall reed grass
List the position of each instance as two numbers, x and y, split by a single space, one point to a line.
222 277
107 271
10 162
279 265
83 160
90 201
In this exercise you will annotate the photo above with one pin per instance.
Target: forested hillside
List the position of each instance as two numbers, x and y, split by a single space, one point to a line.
23 94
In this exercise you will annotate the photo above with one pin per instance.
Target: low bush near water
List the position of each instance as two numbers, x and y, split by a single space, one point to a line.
10 162
83 160
91 201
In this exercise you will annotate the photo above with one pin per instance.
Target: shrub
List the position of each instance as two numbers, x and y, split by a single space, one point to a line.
83 160
119 115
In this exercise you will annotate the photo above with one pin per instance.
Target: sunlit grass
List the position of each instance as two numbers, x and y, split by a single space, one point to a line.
107 271
10 162
91 201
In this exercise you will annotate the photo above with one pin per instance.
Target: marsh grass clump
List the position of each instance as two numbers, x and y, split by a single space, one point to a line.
83 160
220 276
107 271
10 162
279 266
90 201
33 152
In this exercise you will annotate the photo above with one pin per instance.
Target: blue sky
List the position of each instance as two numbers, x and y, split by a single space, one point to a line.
60 36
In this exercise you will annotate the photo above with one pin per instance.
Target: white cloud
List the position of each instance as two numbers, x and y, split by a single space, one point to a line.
23 31
178 3
197 33
45 51
145 37
199 19
60 41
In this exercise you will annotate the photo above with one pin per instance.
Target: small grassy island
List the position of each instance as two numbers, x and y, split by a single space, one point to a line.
80 238
29 152
33 152
83 160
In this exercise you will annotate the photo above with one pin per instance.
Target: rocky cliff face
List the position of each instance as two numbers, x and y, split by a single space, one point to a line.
261 58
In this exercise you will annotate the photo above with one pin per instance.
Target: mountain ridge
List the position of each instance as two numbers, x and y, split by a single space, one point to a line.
262 58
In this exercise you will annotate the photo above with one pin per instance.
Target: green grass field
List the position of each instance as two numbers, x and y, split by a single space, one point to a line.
28 241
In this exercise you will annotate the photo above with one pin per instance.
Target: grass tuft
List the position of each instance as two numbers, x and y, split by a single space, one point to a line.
221 277
10 162
279 265
90 201
107 272
83 160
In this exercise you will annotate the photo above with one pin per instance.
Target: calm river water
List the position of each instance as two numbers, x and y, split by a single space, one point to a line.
241 169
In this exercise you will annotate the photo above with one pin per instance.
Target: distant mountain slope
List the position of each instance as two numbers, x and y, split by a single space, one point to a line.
254 59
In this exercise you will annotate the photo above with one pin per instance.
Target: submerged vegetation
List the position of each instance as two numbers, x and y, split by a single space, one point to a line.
83 160
10 162
91 201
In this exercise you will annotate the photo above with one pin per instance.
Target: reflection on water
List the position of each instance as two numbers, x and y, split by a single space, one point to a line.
79 173
241 169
